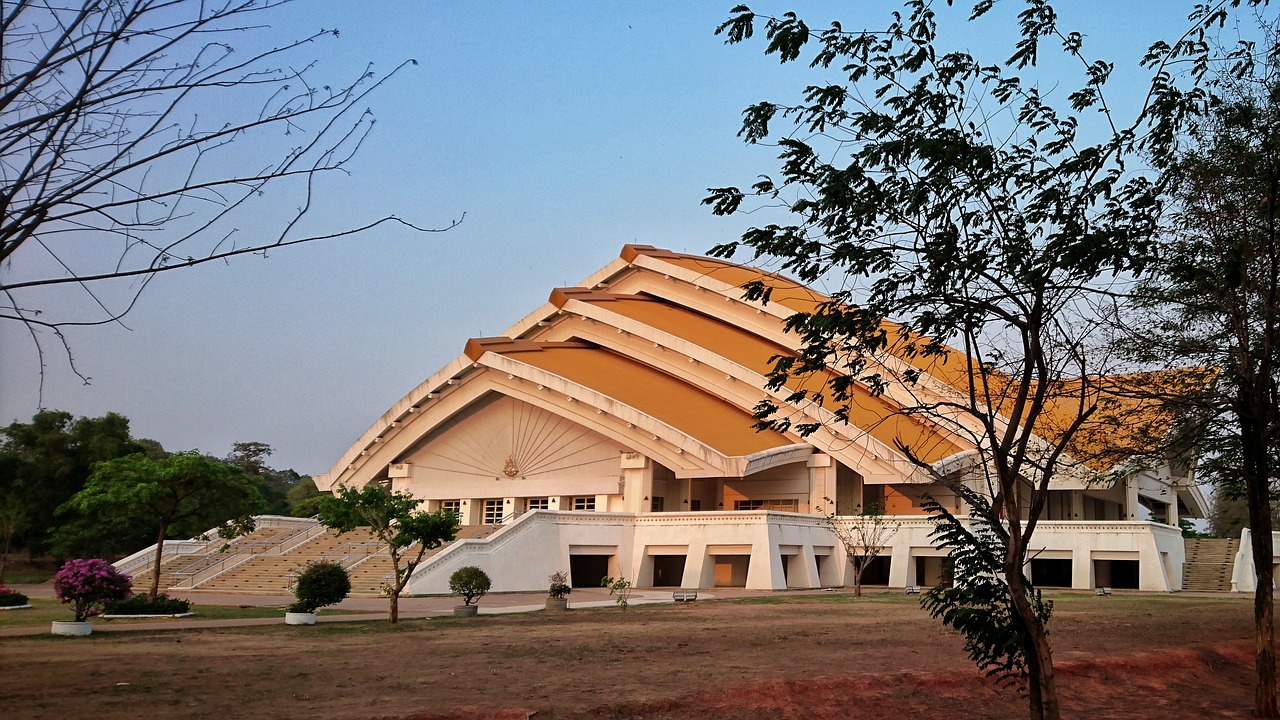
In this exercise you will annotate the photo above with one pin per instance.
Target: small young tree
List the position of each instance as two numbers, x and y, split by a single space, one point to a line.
863 537
186 490
394 519
471 583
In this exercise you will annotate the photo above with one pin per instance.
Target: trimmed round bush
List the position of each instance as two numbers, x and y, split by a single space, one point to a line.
470 582
320 584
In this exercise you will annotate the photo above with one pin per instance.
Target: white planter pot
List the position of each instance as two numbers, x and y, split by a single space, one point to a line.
293 618
557 604
78 629
466 611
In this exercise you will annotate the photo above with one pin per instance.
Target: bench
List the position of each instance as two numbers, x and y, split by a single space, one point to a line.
1102 591
684 596
913 589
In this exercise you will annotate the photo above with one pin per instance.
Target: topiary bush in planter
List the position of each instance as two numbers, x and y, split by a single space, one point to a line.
320 584
88 585
471 583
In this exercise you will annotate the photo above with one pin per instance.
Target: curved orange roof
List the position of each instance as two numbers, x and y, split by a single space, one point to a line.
874 415
685 407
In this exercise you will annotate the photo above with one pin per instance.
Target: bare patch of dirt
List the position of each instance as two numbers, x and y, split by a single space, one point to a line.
802 657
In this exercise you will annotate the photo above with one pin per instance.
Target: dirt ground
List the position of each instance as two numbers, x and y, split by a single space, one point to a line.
824 656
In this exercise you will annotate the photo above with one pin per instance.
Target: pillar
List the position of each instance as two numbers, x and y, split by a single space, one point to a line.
637 478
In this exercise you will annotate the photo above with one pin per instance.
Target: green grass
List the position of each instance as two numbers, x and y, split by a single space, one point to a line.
27 577
44 612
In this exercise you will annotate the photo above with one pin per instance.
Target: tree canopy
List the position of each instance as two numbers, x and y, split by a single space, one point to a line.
394 519
966 217
184 493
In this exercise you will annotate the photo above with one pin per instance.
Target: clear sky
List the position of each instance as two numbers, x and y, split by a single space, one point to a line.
562 130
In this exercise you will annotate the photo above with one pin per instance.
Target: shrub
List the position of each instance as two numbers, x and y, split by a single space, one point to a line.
144 605
470 582
559 587
11 598
320 584
88 585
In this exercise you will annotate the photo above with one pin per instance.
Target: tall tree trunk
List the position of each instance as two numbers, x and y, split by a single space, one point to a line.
1041 682
1265 704
155 568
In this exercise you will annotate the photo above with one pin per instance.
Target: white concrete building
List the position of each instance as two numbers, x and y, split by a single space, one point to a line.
610 433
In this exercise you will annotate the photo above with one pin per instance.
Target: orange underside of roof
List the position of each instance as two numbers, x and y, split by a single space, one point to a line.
1121 427
873 415
694 412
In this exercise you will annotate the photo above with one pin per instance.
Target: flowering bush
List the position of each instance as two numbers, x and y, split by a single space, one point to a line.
559 587
11 598
88 585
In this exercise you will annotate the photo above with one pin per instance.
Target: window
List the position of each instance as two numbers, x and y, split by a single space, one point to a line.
695 505
584 503
537 504
492 512
775 505
656 504
453 506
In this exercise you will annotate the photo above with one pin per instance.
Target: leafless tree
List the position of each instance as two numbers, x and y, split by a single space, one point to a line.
135 139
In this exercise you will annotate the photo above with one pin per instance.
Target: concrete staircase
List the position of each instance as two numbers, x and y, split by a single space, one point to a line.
272 574
1208 565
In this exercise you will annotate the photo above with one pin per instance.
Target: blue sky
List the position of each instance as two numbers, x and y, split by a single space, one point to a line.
562 131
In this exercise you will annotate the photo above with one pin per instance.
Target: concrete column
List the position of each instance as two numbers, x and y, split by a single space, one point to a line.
637 477
1132 509
1171 514
699 570
469 513
822 485
1081 568
902 567
1077 505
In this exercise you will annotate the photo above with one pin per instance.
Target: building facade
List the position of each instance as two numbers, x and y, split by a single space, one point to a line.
610 432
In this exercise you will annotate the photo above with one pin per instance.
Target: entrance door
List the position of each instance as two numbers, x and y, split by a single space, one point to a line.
587 570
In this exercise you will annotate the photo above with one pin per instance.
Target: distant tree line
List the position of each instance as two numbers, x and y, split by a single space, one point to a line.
47 462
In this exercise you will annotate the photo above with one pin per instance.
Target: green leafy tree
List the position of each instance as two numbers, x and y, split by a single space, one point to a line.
48 460
184 491
274 485
13 516
394 519
304 498
1215 303
954 203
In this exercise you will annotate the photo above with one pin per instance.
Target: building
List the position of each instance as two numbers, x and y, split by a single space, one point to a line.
610 433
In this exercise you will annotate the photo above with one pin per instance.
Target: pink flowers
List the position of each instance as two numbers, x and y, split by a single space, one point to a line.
88 585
